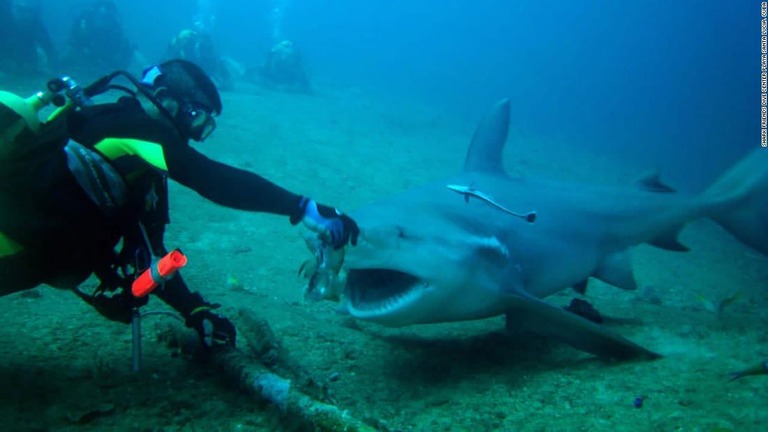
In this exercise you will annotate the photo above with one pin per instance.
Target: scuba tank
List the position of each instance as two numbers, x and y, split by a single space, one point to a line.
32 153
19 122
20 125
27 147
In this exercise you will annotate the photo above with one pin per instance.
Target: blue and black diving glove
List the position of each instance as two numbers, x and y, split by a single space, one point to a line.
213 329
341 228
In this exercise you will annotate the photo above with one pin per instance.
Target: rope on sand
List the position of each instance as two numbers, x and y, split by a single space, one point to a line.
251 372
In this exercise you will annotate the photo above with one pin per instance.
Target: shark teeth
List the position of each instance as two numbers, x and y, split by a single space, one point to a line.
373 309
376 292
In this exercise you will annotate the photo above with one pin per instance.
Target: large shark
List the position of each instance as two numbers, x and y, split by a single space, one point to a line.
483 243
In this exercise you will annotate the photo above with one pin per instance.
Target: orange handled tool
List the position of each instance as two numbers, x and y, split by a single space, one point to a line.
159 272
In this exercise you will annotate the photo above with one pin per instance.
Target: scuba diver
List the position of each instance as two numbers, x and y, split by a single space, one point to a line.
85 192
197 47
97 40
23 37
284 69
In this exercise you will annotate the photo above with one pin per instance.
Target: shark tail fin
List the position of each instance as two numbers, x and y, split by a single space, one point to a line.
739 200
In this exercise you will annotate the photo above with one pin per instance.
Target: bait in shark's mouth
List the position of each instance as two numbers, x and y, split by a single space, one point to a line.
325 280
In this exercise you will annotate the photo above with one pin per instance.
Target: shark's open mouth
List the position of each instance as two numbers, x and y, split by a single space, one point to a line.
378 291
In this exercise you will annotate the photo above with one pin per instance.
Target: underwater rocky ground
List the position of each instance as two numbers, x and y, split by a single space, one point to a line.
65 368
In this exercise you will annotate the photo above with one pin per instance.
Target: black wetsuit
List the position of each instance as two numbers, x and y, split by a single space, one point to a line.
87 237
220 183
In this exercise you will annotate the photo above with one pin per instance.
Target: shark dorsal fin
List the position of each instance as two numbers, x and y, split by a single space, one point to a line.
485 151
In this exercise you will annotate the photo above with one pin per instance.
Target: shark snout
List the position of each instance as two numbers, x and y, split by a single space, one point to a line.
419 273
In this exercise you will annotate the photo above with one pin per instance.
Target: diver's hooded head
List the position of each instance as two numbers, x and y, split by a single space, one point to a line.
185 95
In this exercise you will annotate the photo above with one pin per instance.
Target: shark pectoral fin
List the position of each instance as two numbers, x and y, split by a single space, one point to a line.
616 269
668 241
549 321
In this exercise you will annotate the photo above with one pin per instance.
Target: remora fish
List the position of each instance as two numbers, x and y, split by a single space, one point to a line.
468 191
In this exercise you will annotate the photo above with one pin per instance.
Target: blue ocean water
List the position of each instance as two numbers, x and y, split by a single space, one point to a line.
673 84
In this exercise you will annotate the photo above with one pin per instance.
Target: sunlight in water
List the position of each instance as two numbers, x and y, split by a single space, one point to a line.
206 15
276 19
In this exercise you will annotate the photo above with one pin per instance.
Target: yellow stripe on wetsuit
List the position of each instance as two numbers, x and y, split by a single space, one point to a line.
115 148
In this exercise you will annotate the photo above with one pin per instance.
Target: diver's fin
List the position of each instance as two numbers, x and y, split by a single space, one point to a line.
549 321
616 269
